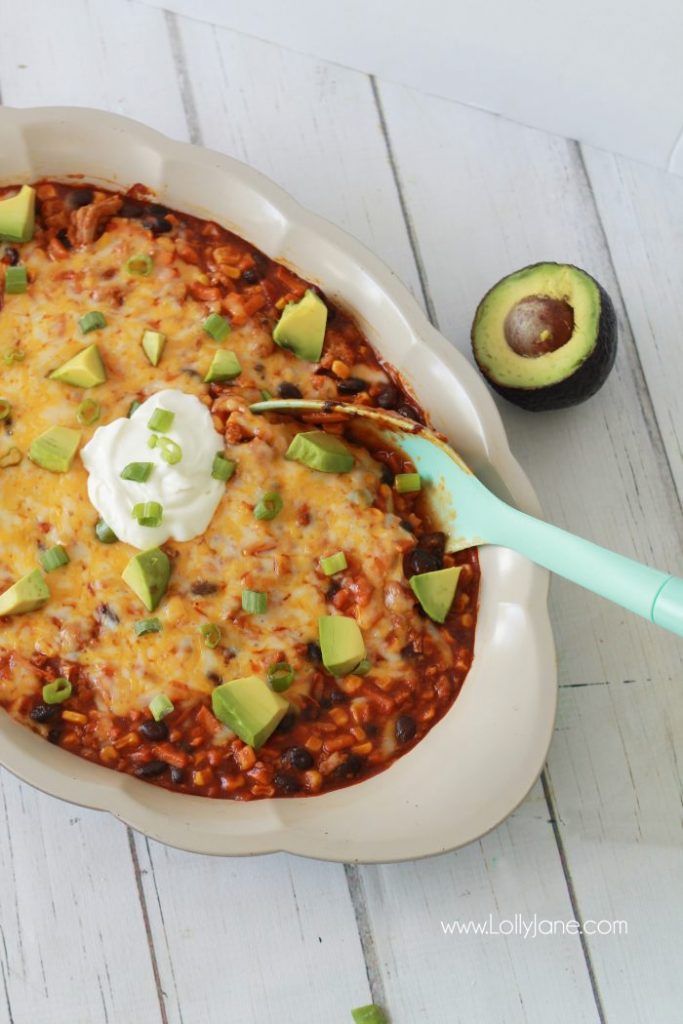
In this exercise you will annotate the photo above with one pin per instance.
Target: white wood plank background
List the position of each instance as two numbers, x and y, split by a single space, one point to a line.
100 925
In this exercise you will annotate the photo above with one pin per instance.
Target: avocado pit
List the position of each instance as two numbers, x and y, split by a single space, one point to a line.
538 324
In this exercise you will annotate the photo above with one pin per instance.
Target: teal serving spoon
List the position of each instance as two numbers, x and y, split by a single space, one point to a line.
469 514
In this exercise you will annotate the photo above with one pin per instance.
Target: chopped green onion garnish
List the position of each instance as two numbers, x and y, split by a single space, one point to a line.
161 420
362 668
211 633
135 404
5 408
254 602
148 513
266 395
140 265
137 471
92 321
371 1014
217 326
147 626
407 482
222 468
57 691
12 457
170 451
334 563
152 440
55 558
104 533
160 706
16 280
89 411
269 506
280 676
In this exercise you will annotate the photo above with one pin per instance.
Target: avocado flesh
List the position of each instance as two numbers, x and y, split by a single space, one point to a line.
321 451
250 708
147 574
84 370
573 352
435 591
27 594
55 448
17 216
301 327
341 644
224 366
153 343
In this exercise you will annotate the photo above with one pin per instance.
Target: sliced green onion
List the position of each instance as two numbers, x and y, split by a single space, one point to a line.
222 468
362 668
140 265
16 280
135 404
160 706
88 412
217 326
170 451
139 472
266 395
280 676
269 506
254 602
55 558
161 420
147 626
148 513
211 634
405 483
104 533
5 408
12 457
92 321
370 1014
334 563
152 441
57 691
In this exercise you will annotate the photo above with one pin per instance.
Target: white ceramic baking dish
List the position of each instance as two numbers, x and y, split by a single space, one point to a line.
478 763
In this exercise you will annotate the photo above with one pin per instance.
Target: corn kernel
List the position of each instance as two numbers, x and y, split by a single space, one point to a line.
74 716
340 369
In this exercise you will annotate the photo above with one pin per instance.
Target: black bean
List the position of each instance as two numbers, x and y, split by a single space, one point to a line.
42 712
287 723
288 390
78 197
177 775
388 397
310 713
405 728
313 653
251 275
214 678
131 209
407 526
151 769
158 209
408 652
63 237
298 757
286 783
337 696
352 386
326 702
11 256
54 734
352 766
410 413
418 560
387 476
202 588
157 225
434 542
333 589
152 730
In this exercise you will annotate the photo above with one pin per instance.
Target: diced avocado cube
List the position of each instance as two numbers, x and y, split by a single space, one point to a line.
341 643
27 594
55 448
250 708
17 216
435 591
147 574
224 366
153 343
84 370
320 451
301 327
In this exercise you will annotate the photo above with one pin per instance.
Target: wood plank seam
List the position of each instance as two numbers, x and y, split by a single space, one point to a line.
373 968
148 929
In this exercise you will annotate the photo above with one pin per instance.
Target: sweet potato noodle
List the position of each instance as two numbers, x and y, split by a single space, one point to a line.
144 267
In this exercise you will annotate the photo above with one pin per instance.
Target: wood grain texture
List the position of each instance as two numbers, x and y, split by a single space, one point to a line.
500 197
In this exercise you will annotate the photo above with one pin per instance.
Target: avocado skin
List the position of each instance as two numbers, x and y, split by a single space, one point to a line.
586 379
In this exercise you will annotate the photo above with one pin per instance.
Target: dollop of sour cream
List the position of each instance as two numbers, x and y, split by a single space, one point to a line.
186 490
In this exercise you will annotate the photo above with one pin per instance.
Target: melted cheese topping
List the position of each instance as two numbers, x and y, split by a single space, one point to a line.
90 616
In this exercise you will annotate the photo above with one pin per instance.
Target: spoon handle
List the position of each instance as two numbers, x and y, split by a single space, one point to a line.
657 596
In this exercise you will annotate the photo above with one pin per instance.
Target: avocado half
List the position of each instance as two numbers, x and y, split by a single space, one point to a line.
545 337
